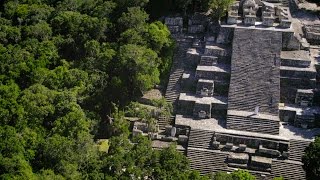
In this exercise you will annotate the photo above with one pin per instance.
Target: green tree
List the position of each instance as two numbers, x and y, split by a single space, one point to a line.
311 160
235 175
141 67
219 7
135 18
242 175
11 112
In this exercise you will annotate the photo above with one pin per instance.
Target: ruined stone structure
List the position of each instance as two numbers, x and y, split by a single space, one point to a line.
244 95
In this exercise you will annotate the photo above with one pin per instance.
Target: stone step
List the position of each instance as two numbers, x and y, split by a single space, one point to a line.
253 125
296 150
288 170
163 121
200 138
206 161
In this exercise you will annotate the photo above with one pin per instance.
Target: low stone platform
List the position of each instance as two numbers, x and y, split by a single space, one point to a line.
252 115
248 121
258 25
286 131
213 100
295 58
300 110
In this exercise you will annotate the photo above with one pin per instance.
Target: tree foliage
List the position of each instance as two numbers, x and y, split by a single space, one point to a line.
219 7
65 65
311 160
235 175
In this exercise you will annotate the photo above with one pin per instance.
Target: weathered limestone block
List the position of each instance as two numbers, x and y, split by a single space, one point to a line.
208 60
269 144
173 131
215 144
205 87
239 158
187 81
285 23
295 58
194 29
242 147
225 35
305 121
174 21
175 29
271 152
202 110
298 73
259 161
193 57
290 41
228 146
249 7
250 20
183 139
312 33
195 21
304 97
214 50
213 72
186 107
232 19
268 21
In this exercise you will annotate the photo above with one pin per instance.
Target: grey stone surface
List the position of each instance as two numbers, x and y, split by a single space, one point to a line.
225 35
255 70
240 158
290 41
174 21
193 29
295 58
312 32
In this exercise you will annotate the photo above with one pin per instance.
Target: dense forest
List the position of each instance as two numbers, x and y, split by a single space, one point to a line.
66 66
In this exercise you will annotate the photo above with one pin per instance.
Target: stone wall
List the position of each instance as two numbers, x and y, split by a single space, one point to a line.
225 35
307 74
290 41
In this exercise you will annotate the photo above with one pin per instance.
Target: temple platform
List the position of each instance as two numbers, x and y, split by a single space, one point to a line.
212 100
258 25
286 131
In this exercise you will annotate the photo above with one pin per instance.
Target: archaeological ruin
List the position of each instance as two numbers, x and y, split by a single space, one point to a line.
245 90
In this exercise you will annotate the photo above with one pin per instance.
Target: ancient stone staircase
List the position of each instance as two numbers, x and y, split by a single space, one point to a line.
296 149
173 87
254 84
207 161
200 138
288 170
285 3
253 124
163 121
